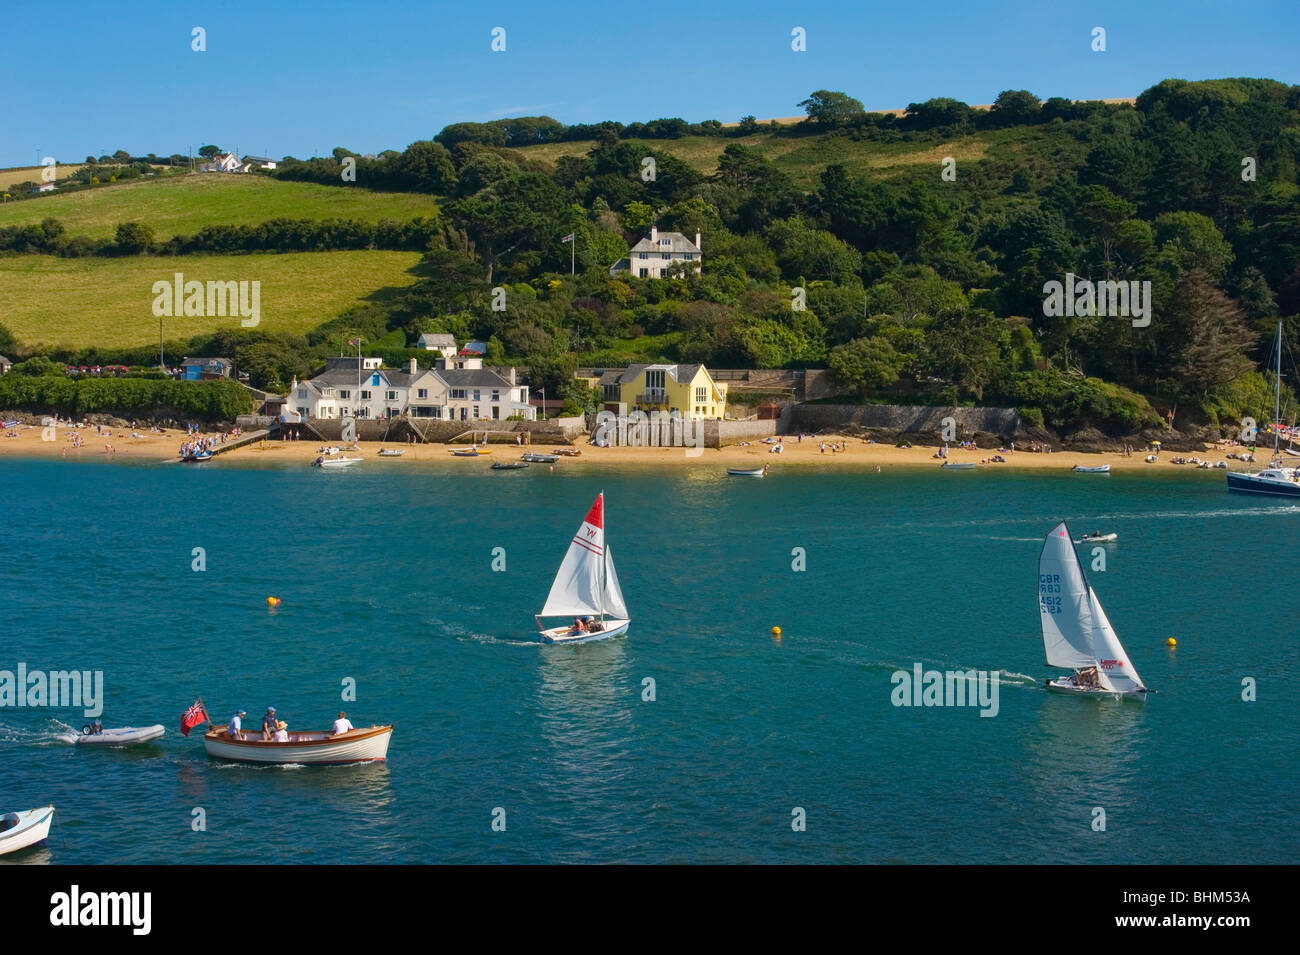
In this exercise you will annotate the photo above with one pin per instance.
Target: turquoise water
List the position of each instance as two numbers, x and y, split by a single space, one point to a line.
386 578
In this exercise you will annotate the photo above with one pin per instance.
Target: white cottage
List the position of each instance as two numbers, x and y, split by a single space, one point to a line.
660 254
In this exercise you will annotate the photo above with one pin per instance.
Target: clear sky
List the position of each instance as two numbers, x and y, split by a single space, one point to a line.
281 78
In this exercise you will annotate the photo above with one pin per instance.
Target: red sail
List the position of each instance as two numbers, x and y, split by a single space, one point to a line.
595 515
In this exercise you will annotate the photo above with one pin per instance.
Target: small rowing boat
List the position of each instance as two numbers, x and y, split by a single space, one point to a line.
310 748
1092 468
95 735
18 830
538 458
958 466
746 472
568 452
391 452
470 452
508 465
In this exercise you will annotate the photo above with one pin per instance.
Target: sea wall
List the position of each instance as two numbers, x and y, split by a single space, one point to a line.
720 434
401 430
904 418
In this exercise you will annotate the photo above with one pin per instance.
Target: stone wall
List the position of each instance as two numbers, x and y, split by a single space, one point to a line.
720 434
906 418
400 430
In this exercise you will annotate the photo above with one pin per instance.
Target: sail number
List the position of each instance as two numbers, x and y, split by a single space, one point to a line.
1049 592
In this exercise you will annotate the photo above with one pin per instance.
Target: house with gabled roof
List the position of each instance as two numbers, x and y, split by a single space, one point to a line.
441 342
687 389
661 254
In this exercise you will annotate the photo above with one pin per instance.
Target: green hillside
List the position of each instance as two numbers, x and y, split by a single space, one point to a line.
107 303
181 205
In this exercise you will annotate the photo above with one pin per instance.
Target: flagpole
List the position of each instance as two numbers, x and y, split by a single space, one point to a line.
573 252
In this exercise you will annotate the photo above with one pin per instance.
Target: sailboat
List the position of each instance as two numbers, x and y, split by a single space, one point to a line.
1274 479
586 587
1076 632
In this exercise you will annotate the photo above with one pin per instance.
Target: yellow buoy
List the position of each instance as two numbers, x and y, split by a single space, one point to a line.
272 601
776 631
1171 642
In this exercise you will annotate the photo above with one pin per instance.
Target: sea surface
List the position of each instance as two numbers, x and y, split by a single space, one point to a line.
744 748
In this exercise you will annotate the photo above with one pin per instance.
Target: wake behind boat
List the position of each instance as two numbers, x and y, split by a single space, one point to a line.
1097 537
19 830
1076 633
311 748
585 586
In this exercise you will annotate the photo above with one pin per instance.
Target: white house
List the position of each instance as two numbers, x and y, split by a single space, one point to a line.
227 163
441 342
260 162
661 253
441 393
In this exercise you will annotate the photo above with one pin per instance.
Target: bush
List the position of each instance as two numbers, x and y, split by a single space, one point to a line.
207 400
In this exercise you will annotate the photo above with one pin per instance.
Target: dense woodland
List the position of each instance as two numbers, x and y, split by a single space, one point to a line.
917 288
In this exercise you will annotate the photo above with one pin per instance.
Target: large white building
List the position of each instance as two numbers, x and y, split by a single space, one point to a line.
467 392
661 253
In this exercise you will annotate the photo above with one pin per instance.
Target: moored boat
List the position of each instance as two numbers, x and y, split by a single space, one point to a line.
958 466
746 472
313 748
538 458
586 586
333 464
1275 479
1092 468
19 830
508 465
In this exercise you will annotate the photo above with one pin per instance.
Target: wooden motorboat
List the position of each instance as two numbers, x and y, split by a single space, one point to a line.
19 830
312 748
92 735
508 465
537 457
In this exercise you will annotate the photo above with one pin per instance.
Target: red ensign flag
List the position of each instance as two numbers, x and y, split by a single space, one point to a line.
195 715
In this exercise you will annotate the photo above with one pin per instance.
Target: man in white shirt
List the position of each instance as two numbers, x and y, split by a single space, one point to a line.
341 725
233 730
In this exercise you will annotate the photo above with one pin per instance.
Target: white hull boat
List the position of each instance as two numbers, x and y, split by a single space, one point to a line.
391 452
746 472
586 587
120 736
334 464
309 748
19 830
1098 538
1092 469
1076 632
956 466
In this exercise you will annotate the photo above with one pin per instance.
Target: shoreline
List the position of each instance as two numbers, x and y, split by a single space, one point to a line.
163 446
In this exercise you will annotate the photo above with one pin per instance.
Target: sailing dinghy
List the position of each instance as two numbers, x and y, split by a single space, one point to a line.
586 587
1076 633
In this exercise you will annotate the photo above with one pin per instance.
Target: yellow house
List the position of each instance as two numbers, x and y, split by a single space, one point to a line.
686 389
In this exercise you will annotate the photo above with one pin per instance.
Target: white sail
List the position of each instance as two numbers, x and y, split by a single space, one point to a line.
614 605
578 586
1114 668
1063 603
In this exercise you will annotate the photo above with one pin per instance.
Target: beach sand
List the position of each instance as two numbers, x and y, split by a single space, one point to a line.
857 455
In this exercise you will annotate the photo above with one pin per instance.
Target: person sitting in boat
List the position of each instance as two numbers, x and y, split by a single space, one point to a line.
281 732
234 730
269 723
1087 678
579 626
341 725
593 625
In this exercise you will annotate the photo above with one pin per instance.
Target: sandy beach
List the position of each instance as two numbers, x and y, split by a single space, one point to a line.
30 442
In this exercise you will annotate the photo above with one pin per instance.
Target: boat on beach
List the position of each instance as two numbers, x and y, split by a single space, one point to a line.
1076 632
508 465
312 748
746 472
1092 468
391 452
536 457
470 452
568 452
19 830
586 586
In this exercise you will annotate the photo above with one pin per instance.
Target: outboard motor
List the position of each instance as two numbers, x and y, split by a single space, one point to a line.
93 729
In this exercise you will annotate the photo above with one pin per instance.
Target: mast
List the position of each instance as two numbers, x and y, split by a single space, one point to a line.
1277 392
604 557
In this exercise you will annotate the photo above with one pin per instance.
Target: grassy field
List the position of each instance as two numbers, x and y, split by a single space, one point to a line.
17 174
109 302
181 205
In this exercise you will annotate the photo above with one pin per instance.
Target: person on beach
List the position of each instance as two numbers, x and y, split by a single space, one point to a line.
269 723
234 730
341 725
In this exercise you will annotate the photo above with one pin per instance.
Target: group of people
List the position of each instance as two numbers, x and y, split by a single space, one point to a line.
276 730
835 446
587 624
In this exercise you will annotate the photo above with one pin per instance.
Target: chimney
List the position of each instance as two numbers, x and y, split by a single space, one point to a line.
654 233
697 242
414 369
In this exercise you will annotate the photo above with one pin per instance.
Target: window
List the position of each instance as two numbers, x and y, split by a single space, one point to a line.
302 392
701 394
344 393
644 273
496 395
665 255
654 379
365 396
668 242
643 255
391 395
458 394
476 411
422 392
437 412
476 396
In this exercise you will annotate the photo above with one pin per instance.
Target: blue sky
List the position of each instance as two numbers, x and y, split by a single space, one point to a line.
298 78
